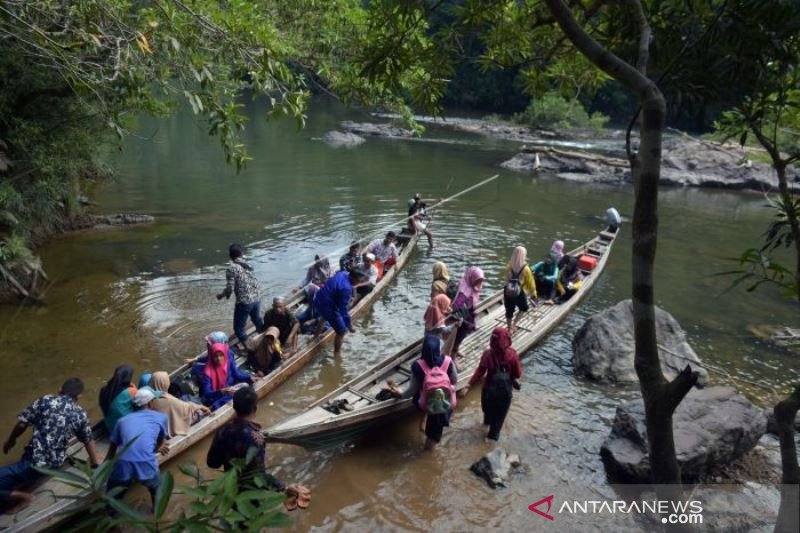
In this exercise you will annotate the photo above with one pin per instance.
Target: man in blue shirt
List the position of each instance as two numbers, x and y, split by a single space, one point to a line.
143 433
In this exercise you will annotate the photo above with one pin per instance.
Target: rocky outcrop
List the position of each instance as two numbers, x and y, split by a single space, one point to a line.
603 347
496 467
686 162
375 129
120 219
339 138
712 427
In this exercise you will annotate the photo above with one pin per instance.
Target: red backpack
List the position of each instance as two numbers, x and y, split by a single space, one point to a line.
436 378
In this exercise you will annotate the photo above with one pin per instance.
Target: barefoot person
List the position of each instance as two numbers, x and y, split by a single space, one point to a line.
242 281
333 304
55 419
519 286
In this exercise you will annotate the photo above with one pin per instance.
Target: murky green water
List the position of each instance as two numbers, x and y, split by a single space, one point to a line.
145 296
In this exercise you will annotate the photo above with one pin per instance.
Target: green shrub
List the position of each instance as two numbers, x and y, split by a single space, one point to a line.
554 111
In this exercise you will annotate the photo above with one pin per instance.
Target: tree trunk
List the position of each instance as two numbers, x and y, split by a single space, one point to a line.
791 217
789 512
660 396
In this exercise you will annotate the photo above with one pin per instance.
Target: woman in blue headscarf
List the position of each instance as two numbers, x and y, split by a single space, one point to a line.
432 387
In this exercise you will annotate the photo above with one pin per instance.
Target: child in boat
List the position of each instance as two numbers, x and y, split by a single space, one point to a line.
180 414
546 273
570 278
432 386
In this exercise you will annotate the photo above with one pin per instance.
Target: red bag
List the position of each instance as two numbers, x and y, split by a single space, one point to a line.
587 262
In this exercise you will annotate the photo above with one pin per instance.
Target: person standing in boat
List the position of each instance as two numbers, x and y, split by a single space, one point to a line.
384 251
418 218
467 299
500 370
432 387
352 259
441 273
241 281
218 374
333 304
438 311
55 419
318 273
519 285
140 435
283 319
116 396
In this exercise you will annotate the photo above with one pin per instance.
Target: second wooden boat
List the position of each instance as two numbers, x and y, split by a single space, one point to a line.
322 426
54 500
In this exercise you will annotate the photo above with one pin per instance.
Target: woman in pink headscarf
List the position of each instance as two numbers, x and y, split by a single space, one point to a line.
557 250
464 304
219 374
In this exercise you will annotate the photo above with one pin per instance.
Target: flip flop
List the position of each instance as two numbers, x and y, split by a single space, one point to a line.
303 501
290 503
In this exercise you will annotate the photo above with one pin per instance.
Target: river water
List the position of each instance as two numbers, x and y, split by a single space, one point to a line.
145 295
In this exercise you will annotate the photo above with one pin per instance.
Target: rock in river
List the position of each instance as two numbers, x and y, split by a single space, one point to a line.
496 467
375 129
603 348
338 138
712 427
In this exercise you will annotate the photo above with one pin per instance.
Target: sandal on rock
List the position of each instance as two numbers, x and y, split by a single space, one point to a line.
290 503
303 501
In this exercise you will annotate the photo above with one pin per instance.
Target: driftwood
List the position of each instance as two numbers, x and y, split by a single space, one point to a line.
585 156
29 293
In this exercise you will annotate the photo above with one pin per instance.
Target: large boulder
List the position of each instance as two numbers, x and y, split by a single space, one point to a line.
603 348
339 138
712 427
375 129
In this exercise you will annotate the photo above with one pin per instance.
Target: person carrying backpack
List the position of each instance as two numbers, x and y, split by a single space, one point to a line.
500 364
519 286
432 385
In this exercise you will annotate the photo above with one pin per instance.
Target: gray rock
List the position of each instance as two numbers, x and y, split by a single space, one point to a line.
603 347
338 138
712 427
496 467
375 129
125 219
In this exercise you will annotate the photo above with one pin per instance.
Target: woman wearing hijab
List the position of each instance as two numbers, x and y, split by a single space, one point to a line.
318 273
180 414
439 405
440 273
467 299
502 370
557 250
268 354
546 274
519 286
218 375
438 310
116 396
570 278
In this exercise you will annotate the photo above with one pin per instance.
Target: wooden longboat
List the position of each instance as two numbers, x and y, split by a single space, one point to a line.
54 501
318 427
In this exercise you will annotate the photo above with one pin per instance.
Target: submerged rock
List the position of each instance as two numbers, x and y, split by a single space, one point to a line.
125 219
603 347
375 129
338 138
712 427
496 467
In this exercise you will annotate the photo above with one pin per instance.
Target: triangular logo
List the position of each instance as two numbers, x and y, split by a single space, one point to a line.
533 507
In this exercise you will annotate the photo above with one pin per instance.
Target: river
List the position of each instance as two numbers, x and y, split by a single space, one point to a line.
145 296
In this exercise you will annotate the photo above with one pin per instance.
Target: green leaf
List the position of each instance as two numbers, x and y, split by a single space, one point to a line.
163 494
74 480
126 510
191 470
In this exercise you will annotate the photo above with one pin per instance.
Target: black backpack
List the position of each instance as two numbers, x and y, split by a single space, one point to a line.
499 387
513 288
452 289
